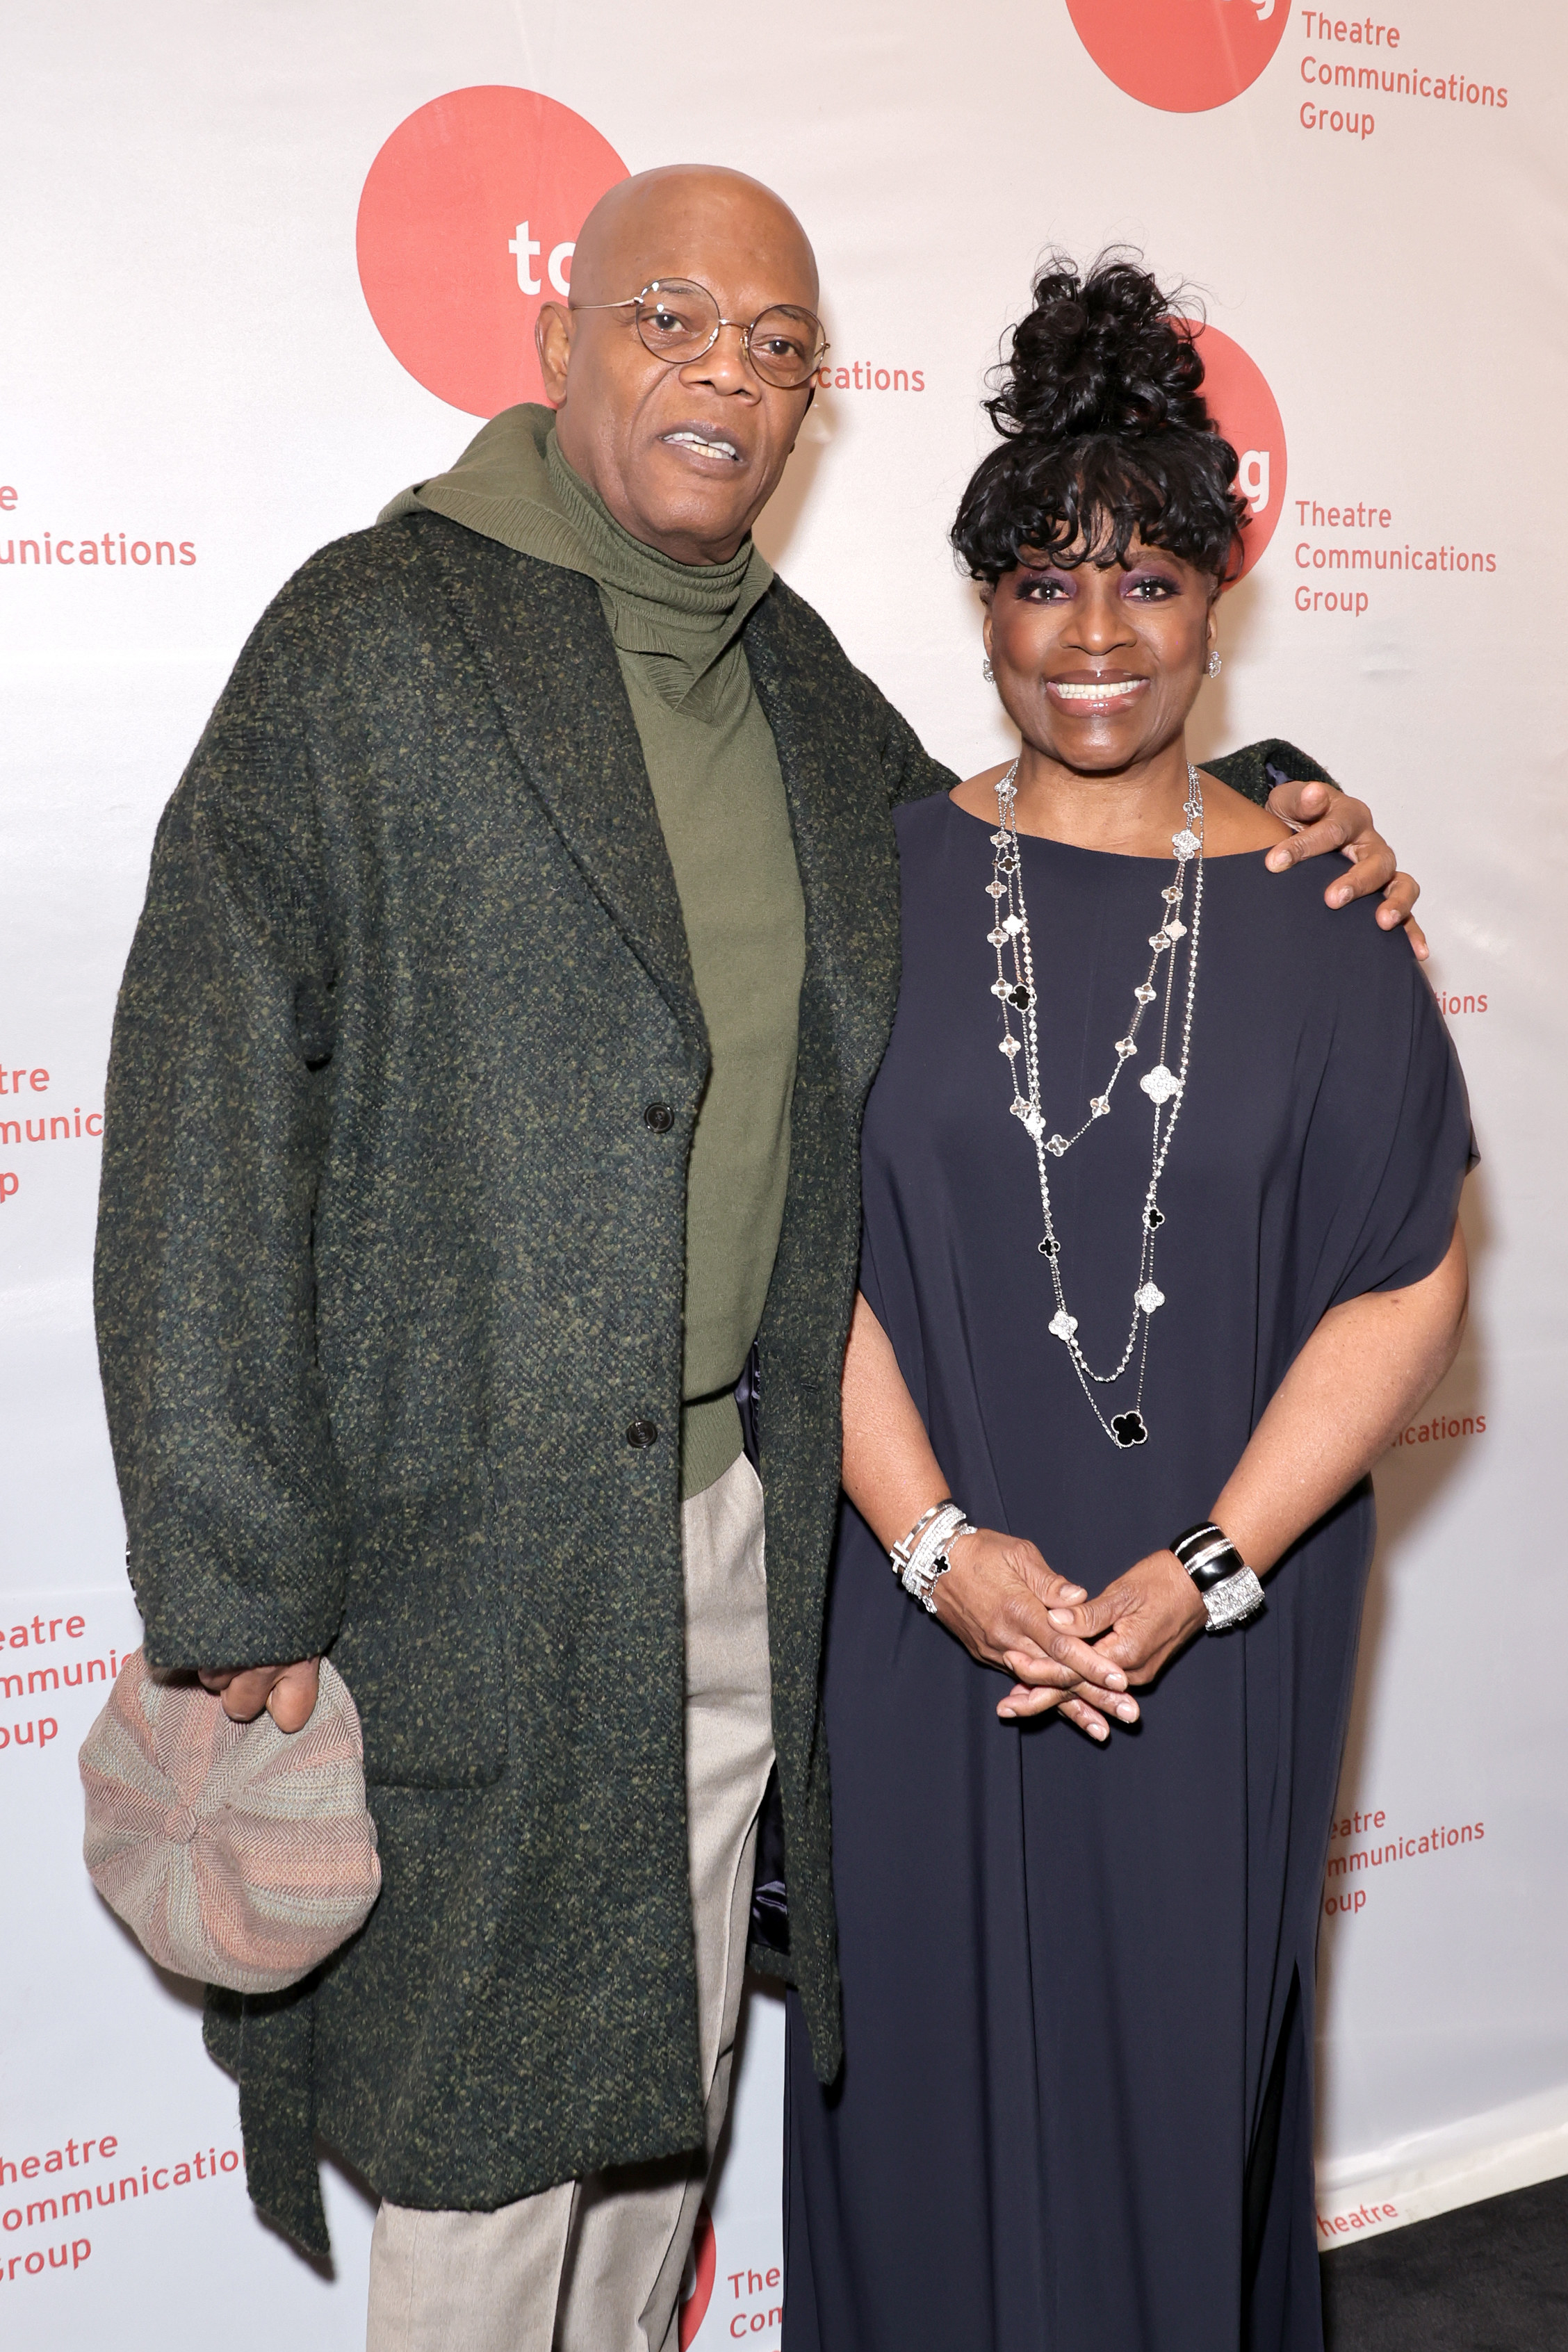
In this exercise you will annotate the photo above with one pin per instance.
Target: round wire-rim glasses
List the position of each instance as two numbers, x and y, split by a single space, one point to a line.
679 320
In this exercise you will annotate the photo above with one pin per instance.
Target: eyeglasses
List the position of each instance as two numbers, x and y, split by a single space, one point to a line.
679 321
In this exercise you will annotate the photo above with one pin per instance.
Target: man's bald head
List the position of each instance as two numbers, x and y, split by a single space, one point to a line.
684 455
636 224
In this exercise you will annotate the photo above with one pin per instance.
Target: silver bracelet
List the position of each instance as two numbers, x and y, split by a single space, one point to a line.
1231 1592
920 1557
903 1551
1233 1599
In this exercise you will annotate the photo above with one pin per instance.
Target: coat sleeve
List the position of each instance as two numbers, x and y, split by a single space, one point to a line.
216 1115
1257 768
908 769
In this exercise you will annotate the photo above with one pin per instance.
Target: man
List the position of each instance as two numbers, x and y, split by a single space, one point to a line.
519 949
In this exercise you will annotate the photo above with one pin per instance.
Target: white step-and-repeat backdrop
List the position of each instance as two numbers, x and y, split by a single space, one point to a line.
265 265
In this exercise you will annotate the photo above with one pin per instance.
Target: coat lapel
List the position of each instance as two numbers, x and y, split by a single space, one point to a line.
540 636
844 839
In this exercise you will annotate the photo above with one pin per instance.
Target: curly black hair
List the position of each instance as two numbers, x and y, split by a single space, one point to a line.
1106 433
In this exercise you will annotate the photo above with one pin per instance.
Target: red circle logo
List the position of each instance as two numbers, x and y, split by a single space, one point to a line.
1245 412
703 2264
1183 56
466 225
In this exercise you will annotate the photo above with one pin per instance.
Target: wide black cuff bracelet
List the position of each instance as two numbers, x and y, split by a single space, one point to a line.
1207 1554
1231 1592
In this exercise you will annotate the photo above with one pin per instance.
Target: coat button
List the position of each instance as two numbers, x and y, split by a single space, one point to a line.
643 1432
659 1117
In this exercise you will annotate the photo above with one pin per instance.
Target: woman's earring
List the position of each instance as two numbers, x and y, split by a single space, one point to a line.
1214 664
986 672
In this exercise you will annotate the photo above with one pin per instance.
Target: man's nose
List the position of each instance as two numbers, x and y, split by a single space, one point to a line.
723 364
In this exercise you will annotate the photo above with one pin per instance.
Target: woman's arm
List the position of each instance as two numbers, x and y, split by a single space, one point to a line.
1350 1392
994 1596
1354 1384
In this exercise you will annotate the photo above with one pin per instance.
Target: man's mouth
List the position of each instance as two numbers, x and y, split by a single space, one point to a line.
701 443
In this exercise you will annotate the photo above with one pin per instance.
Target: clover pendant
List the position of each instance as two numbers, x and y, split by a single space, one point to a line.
1159 1083
1128 1429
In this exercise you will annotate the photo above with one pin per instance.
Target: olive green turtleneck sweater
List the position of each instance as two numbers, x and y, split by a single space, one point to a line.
716 784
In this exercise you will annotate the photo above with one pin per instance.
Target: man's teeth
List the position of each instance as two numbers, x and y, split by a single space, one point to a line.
709 448
1097 693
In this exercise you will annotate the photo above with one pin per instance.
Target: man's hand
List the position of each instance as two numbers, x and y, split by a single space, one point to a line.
996 1597
1330 820
288 1693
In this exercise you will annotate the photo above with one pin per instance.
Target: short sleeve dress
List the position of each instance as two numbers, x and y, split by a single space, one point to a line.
1076 2102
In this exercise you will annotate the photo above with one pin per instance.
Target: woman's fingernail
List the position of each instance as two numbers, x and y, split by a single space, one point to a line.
1279 859
1007 1714
1073 1592
1116 1679
1129 1713
1061 1617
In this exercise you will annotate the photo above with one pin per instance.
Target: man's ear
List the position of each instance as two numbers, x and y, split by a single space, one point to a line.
552 342
805 413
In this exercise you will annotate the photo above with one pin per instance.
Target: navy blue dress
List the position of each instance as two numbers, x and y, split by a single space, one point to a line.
1075 2102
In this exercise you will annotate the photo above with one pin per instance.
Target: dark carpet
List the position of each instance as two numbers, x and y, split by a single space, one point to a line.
1491 2277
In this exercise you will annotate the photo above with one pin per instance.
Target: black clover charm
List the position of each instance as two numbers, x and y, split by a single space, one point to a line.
1153 1219
1047 1248
1021 996
1128 1429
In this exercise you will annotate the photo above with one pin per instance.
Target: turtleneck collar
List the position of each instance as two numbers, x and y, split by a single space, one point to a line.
514 485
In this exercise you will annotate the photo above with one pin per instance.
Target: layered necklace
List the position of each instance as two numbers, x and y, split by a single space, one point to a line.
1015 990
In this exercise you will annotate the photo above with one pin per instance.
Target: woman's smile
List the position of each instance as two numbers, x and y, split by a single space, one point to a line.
1090 692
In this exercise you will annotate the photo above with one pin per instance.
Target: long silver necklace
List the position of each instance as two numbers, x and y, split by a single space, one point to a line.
1015 990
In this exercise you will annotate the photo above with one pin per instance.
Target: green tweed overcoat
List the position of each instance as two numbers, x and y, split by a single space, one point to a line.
389 1286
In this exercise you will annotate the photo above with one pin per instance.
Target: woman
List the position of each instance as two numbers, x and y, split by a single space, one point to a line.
1181 1255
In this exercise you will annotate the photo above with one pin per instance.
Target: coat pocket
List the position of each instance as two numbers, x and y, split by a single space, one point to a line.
421 1647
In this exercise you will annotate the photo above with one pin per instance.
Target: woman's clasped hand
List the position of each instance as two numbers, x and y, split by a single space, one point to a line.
1010 1610
1081 1658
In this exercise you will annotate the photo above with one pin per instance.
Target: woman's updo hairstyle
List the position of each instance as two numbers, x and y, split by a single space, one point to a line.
1106 435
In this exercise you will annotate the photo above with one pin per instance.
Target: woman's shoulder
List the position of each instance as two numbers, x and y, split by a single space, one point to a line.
920 824
1233 824
1337 958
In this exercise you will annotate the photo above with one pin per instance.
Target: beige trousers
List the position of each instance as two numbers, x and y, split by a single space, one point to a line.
596 2265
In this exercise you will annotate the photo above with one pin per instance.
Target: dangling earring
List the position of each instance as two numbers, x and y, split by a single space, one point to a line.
1214 664
986 672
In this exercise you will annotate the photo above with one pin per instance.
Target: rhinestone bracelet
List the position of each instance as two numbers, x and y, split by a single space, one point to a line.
1231 1592
921 1555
